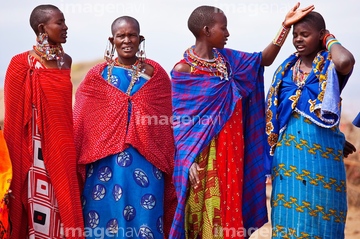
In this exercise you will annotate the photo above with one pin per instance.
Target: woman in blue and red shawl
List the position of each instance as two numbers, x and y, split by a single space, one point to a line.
38 129
123 134
304 140
218 113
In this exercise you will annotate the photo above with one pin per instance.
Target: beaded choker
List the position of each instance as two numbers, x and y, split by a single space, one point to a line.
117 63
215 65
50 53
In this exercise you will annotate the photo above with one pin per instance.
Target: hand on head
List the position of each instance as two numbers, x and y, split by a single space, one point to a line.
295 14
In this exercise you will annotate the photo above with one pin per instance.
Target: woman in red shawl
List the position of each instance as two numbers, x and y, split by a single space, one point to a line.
45 200
123 136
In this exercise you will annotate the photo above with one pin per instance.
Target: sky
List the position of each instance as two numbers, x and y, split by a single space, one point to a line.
252 25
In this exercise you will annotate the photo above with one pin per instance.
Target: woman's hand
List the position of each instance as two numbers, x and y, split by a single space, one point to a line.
194 174
295 14
271 51
348 149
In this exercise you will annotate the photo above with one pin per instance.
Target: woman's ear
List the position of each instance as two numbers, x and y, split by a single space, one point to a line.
40 28
142 38
322 34
206 31
111 40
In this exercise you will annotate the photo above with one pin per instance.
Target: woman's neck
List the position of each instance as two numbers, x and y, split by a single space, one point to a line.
127 61
203 51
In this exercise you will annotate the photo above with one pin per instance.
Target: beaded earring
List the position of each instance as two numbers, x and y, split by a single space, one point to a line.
42 39
109 57
47 51
141 52
109 51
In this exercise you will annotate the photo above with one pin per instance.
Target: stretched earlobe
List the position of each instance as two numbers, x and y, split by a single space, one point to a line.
109 51
141 51
142 38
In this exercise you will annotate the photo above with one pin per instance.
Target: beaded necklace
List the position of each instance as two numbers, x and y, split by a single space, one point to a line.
135 72
214 65
299 77
50 52
118 63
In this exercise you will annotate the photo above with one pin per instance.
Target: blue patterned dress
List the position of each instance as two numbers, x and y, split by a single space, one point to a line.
308 173
123 193
309 182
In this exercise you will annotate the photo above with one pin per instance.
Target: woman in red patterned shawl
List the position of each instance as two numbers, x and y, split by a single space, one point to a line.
123 135
218 107
45 200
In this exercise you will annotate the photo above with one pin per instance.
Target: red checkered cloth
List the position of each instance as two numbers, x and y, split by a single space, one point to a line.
103 127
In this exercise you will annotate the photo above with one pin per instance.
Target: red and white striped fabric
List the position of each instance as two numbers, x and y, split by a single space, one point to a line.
50 92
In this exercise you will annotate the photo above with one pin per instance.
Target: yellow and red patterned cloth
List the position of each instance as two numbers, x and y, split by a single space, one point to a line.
5 179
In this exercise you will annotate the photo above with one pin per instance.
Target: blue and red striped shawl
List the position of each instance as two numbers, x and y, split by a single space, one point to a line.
201 107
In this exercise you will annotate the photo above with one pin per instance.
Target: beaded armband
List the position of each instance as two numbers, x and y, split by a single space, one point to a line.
281 36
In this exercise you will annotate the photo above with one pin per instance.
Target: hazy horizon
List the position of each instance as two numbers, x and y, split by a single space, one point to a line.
252 26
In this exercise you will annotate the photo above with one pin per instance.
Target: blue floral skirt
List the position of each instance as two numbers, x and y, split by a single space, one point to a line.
123 197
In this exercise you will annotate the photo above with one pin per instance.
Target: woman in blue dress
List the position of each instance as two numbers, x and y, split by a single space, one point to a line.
305 143
125 142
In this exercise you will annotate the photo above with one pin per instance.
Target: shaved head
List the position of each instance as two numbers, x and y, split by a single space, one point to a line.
41 14
126 19
202 16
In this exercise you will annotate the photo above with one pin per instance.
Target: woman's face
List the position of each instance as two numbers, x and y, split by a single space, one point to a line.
126 39
56 27
218 32
307 39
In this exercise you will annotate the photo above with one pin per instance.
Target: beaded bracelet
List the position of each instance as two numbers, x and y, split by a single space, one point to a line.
281 36
325 37
331 42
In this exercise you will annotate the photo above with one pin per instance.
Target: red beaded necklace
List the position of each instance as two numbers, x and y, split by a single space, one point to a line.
50 52
215 65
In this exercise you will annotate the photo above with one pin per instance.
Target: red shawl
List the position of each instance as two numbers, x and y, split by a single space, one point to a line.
101 119
50 90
